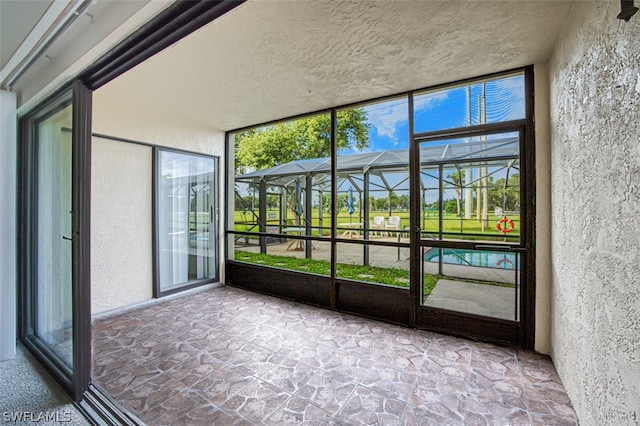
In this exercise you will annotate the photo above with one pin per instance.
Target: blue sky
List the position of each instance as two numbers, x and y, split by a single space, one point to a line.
437 110
443 109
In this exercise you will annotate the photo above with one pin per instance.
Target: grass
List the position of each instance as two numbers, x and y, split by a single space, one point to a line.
391 276
430 224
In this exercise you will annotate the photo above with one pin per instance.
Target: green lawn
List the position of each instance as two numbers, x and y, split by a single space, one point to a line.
430 223
391 276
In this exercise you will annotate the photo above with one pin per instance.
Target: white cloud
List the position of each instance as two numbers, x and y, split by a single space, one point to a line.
428 100
386 116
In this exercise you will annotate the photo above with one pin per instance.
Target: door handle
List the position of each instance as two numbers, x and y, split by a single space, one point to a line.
519 249
67 238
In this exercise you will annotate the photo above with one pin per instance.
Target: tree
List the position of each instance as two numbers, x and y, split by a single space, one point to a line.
300 139
450 206
456 179
508 198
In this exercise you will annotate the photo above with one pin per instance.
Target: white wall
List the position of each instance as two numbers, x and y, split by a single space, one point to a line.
595 122
121 216
543 209
121 255
8 228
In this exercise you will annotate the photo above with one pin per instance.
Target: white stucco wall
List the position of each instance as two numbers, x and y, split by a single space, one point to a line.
121 255
543 209
121 206
595 122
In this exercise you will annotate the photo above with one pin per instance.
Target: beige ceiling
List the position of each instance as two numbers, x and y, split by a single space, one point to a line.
273 59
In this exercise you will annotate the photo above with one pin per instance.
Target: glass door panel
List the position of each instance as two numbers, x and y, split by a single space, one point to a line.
187 240
470 233
480 282
53 230
470 189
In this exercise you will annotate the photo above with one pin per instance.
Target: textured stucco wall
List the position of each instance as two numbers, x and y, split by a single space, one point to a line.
595 113
121 258
543 209
121 215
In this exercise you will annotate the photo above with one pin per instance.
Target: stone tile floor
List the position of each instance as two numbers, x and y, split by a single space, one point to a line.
228 356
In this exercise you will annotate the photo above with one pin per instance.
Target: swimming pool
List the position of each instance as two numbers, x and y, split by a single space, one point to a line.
479 258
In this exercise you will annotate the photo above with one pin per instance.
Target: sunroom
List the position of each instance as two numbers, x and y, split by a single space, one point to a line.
487 189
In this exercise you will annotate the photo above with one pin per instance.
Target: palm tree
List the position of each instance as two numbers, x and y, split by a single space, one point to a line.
456 178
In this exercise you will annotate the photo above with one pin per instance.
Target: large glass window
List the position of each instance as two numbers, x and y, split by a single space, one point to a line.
447 219
282 195
186 220
373 196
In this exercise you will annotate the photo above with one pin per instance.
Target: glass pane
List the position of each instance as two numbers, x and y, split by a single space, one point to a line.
283 180
373 171
290 253
479 282
479 199
430 202
54 248
186 237
374 264
489 101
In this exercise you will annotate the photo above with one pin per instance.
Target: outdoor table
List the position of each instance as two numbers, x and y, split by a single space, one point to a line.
351 232
297 230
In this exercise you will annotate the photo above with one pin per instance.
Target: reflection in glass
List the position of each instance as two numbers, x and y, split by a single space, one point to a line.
54 248
186 194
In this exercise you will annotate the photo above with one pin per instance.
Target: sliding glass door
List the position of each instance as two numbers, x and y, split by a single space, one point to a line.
186 230
53 231
54 254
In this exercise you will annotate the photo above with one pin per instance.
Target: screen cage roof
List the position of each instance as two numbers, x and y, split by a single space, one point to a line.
381 163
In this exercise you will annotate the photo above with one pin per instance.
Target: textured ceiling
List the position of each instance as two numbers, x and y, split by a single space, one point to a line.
272 59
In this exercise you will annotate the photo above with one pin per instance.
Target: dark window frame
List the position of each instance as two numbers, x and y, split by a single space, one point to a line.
74 380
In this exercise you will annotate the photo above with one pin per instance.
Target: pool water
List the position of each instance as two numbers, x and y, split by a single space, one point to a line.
479 258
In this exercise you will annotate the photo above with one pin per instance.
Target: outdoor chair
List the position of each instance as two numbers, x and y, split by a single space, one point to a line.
377 225
393 223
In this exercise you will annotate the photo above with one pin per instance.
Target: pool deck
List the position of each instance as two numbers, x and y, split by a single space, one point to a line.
384 257
480 299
